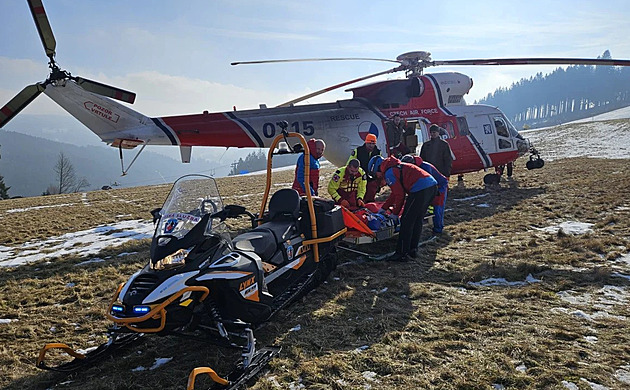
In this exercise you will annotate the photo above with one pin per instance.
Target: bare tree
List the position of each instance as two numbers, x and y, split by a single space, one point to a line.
4 190
66 177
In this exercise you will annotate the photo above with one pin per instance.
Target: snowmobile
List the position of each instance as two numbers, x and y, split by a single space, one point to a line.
201 283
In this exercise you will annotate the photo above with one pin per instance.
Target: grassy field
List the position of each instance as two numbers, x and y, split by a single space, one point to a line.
427 324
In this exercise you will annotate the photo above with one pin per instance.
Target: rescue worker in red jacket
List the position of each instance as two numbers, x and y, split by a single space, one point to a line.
375 179
440 199
316 149
420 188
347 186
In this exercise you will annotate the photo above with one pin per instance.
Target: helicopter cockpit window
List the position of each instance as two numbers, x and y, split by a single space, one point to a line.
502 129
449 131
504 144
462 123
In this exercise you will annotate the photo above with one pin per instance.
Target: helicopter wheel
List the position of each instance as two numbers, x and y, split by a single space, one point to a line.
491 179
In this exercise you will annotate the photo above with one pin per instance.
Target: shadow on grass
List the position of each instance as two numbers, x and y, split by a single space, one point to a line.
359 305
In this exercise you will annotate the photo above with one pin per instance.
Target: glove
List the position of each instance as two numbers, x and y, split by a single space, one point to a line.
344 203
360 202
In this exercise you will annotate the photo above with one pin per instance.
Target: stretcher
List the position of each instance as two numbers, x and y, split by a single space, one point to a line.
366 227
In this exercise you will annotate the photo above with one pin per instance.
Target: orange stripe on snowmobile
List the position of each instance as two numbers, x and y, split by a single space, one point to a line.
64 347
353 222
324 239
157 312
205 370
300 262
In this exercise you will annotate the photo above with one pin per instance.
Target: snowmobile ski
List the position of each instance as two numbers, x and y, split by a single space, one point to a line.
240 376
82 360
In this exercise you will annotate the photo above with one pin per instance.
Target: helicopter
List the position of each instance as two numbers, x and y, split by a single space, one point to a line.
480 136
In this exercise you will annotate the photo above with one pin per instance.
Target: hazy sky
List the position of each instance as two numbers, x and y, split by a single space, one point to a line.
176 54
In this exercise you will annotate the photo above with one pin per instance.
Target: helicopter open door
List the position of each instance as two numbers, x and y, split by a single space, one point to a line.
416 133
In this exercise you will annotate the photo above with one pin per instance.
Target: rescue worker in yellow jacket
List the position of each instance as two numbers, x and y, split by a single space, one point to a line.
348 184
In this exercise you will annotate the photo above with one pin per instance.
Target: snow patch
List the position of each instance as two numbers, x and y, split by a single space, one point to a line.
570 227
594 386
39 208
570 385
623 374
503 282
469 198
160 362
81 243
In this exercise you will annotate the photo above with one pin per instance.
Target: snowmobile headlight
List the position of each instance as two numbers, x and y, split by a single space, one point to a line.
141 309
118 308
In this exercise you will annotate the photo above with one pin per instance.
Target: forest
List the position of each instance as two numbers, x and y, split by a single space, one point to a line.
577 92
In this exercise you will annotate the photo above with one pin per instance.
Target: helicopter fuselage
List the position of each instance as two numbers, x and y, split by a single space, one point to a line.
471 130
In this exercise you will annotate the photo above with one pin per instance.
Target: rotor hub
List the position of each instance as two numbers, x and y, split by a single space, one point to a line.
414 62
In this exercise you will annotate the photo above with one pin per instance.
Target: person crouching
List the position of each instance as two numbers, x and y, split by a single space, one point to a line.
420 188
347 185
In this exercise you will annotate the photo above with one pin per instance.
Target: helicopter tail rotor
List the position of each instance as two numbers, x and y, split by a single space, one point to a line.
105 90
57 76
21 100
43 27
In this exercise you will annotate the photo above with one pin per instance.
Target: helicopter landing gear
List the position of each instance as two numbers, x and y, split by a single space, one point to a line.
491 179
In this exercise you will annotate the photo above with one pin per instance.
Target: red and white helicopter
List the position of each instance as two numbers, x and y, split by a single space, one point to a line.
480 136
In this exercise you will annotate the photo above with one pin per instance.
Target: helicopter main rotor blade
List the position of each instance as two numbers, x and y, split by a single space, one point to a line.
106 90
535 61
21 100
313 59
321 91
43 27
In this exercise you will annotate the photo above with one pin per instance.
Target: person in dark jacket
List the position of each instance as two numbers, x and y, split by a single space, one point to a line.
364 154
396 137
437 152
420 188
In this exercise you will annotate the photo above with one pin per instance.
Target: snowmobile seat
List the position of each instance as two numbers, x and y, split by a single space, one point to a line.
260 241
284 210
284 205
265 239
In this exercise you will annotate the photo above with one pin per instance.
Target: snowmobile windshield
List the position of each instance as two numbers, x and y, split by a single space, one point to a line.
191 197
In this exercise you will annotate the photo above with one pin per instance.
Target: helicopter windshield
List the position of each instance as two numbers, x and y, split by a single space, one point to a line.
191 197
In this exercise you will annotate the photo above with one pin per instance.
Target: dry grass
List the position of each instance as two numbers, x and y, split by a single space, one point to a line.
373 324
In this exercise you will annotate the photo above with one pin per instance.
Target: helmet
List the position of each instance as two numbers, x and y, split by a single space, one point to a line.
408 158
375 163
370 139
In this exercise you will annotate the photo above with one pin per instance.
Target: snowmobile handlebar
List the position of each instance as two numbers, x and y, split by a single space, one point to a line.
233 211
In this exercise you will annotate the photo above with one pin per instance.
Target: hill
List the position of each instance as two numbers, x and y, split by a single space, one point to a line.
563 95
28 162
527 288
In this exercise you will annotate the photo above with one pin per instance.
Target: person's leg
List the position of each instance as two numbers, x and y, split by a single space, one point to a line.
406 228
422 201
438 216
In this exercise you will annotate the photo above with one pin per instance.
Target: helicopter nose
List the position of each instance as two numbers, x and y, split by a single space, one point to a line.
523 146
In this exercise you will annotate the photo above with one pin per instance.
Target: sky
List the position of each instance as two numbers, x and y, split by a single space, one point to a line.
176 55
